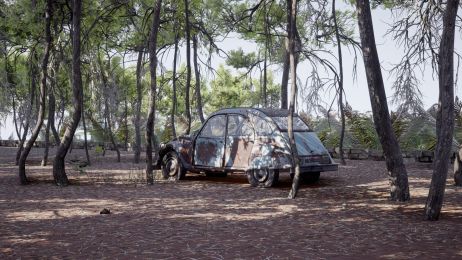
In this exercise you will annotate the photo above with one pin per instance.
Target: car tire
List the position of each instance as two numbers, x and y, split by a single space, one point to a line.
172 169
308 178
264 178
216 174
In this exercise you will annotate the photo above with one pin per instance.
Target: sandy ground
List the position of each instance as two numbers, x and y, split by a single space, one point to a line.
347 215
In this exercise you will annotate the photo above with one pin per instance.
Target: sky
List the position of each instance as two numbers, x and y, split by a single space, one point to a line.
356 90
357 94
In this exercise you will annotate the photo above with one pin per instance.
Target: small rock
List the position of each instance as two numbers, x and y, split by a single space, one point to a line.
105 211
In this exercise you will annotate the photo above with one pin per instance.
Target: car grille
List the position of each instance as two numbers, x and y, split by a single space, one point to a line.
314 159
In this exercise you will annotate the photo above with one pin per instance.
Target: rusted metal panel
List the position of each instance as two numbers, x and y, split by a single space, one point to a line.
239 142
183 147
209 152
238 150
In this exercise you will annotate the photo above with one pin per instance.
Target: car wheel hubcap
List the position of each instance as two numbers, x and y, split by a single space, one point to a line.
261 175
171 167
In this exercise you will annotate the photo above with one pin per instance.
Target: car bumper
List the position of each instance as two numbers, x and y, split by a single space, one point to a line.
319 168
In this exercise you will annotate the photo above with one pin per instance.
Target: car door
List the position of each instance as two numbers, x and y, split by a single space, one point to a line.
209 147
239 142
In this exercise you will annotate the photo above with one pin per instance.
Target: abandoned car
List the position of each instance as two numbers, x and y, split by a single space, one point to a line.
250 140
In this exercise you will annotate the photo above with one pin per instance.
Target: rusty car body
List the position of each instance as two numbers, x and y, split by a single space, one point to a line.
250 140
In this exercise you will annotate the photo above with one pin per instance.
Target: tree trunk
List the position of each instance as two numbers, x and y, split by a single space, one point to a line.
50 122
188 65
152 97
174 79
15 121
51 115
125 105
293 98
198 81
285 80
59 171
43 94
340 83
139 99
47 144
265 60
286 65
458 168
445 118
85 142
399 187
109 125
30 110
125 122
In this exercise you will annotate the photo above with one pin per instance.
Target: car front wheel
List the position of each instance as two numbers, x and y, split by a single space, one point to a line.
264 178
171 167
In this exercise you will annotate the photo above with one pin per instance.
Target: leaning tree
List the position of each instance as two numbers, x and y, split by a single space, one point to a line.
59 171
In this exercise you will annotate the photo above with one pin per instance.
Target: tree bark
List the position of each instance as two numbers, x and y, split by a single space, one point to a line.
15 121
399 187
265 61
52 101
30 109
125 105
109 129
174 80
47 144
152 96
85 141
445 118
50 122
285 81
340 83
139 99
59 171
293 98
198 81
43 94
188 65
458 168
286 65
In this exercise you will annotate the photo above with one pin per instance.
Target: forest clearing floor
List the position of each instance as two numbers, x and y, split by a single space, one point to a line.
346 214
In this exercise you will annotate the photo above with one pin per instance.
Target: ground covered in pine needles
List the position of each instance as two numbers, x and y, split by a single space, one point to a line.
346 215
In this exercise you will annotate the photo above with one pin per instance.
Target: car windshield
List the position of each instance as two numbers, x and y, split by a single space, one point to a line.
299 125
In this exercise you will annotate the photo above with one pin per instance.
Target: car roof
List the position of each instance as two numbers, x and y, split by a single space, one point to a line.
270 112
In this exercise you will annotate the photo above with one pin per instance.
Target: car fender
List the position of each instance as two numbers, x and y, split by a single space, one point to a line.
270 152
182 149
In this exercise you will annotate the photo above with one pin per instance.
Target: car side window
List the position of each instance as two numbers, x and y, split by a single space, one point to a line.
215 127
262 127
239 126
247 129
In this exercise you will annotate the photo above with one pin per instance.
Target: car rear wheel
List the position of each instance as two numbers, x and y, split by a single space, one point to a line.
264 178
309 177
172 169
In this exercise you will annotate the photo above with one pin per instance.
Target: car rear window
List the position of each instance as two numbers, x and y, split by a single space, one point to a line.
307 143
299 125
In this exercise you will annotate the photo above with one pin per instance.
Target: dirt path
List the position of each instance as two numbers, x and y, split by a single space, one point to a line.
346 215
